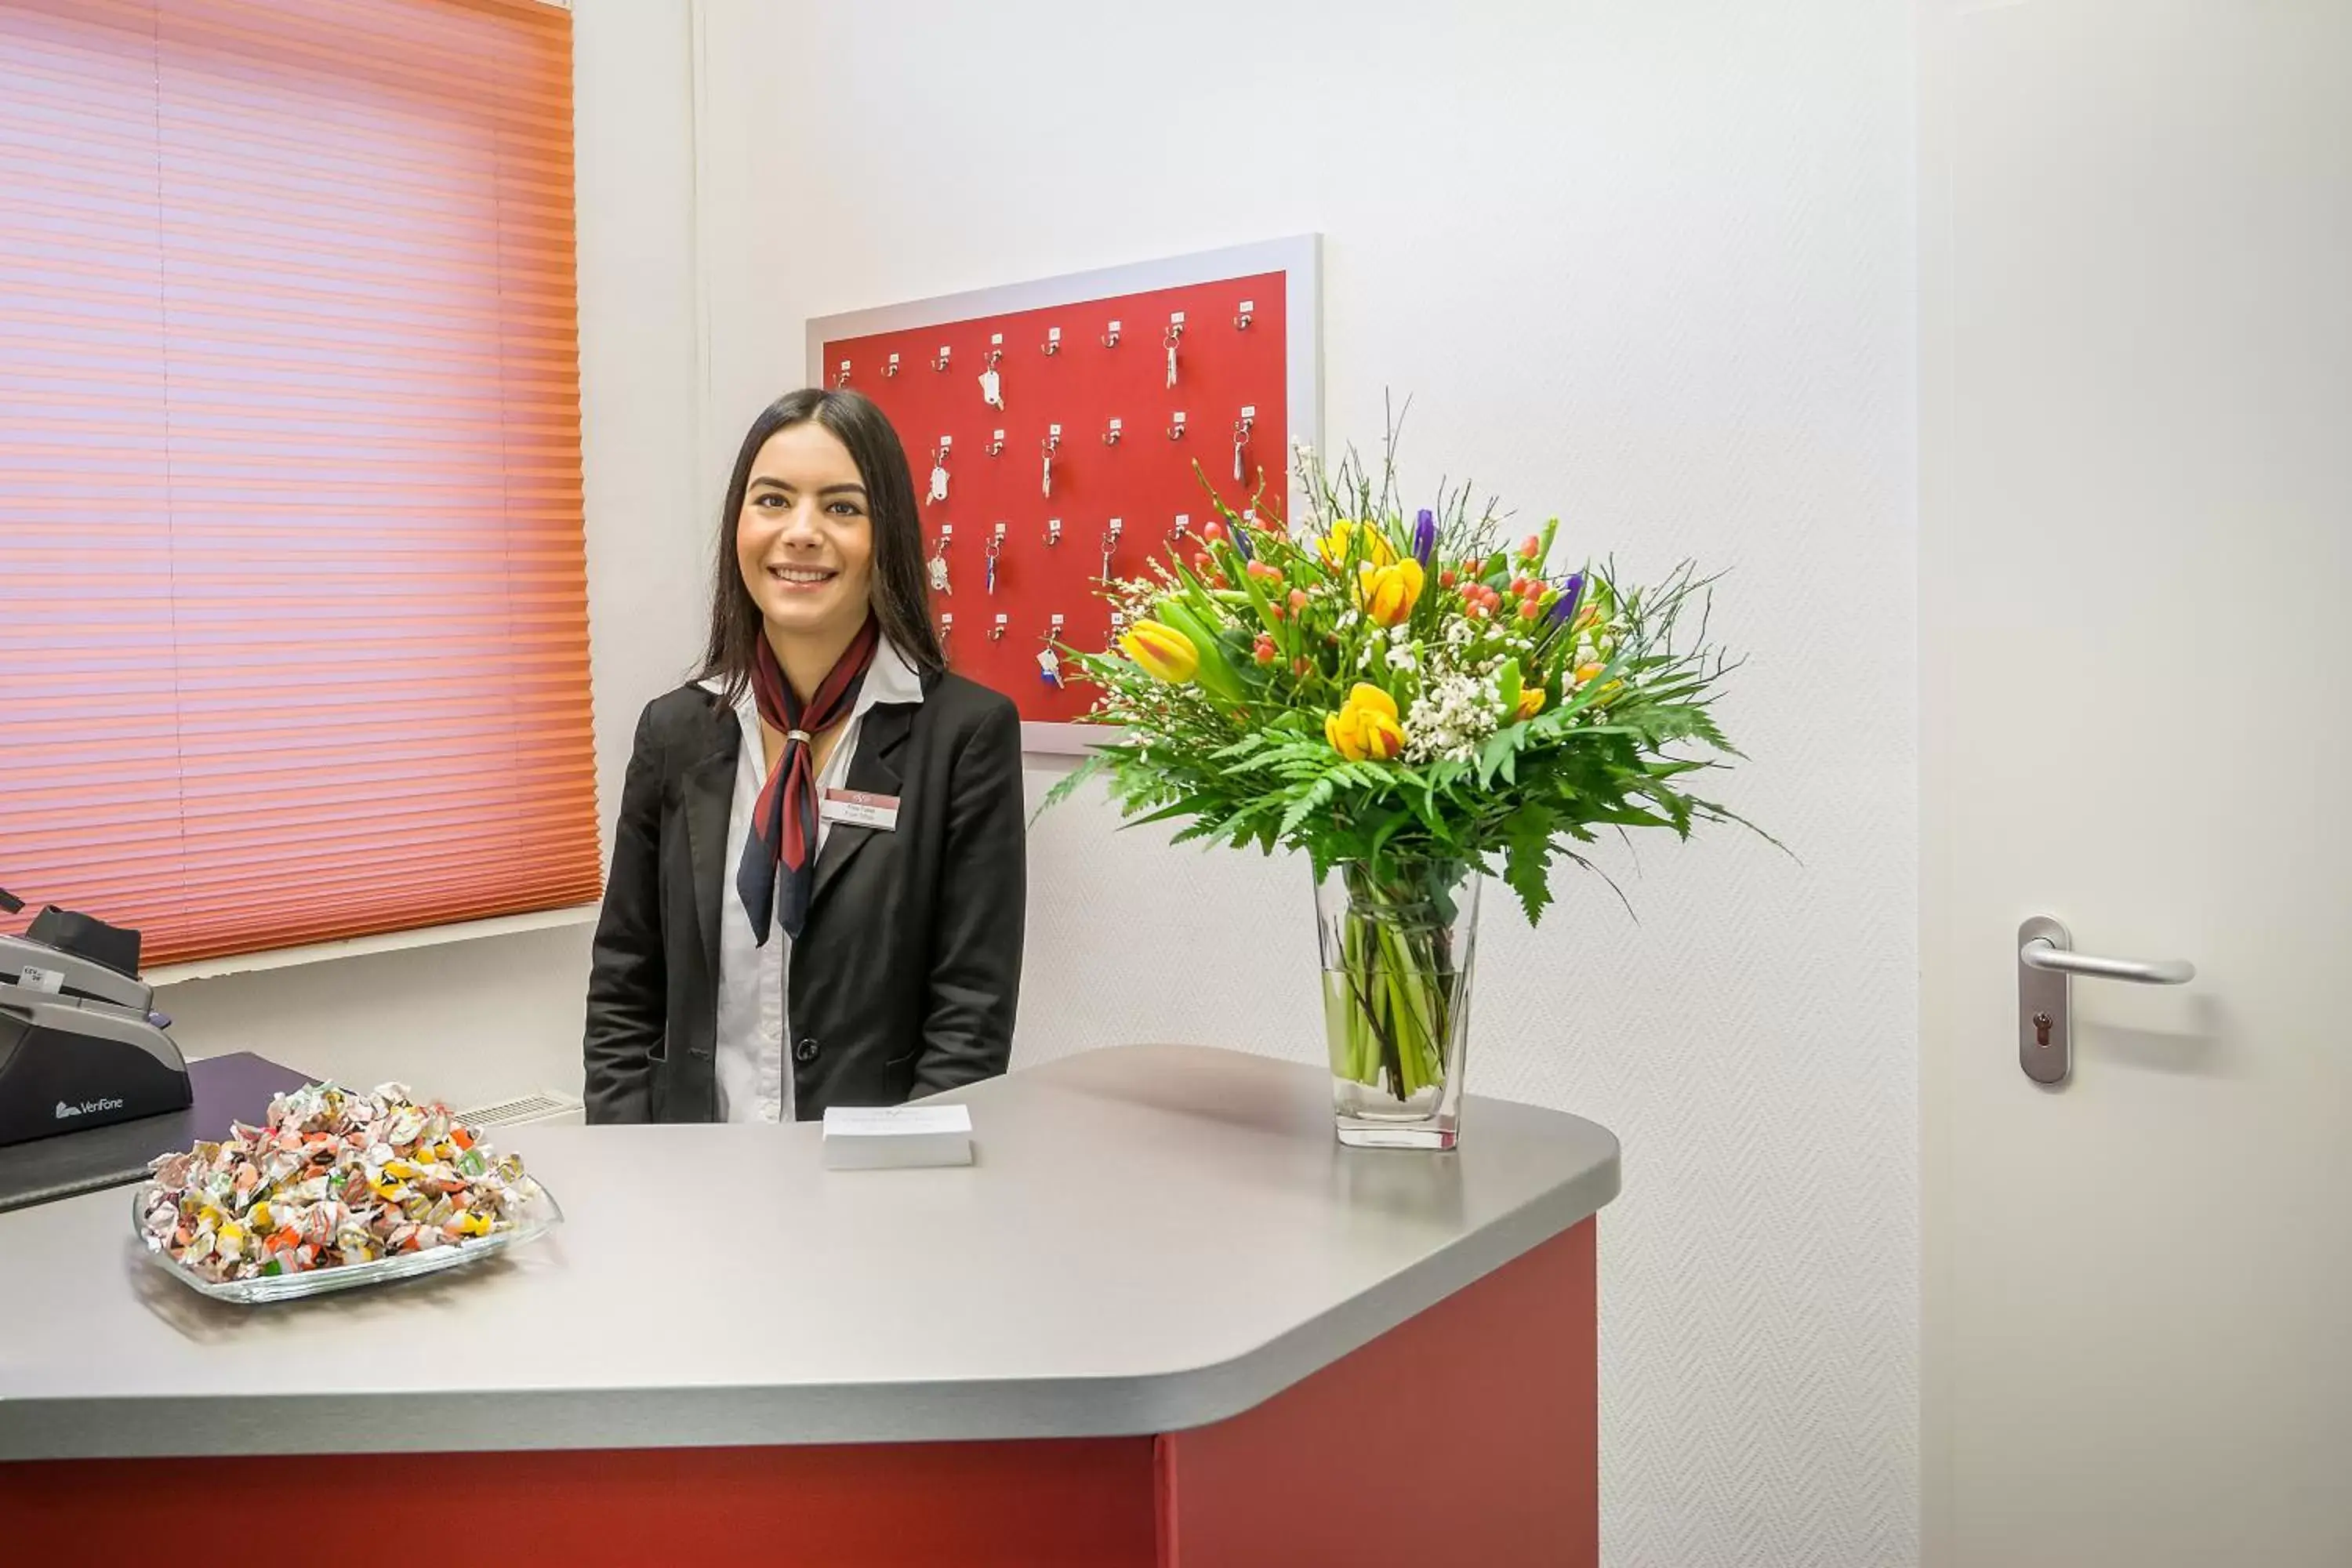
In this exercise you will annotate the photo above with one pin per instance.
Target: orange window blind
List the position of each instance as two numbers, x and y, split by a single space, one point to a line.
293 624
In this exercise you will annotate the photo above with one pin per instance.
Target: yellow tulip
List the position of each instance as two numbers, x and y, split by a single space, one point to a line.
1165 653
1334 545
1365 729
1532 701
1387 593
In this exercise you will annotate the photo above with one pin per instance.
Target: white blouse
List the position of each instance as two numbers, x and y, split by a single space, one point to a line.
754 1061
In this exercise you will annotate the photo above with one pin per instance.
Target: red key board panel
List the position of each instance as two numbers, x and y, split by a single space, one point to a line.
1234 383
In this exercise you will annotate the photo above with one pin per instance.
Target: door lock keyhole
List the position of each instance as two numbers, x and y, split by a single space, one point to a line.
2041 1031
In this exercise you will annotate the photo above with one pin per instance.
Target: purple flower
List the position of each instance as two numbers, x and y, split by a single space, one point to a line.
1239 536
1564 609
1424 537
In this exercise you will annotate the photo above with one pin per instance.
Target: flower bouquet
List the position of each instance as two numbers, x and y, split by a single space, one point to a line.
1414 701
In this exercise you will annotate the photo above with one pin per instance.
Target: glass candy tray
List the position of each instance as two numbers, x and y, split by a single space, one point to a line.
537 1216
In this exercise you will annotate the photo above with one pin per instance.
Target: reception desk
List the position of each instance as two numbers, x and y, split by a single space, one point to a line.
1163 1319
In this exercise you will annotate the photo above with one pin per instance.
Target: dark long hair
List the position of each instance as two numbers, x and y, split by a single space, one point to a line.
902 598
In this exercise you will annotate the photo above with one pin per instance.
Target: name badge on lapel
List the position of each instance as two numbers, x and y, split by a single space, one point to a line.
859 809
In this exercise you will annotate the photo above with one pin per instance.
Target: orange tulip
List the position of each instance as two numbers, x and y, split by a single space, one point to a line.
1377 550
1165 653
1365 729
1387 593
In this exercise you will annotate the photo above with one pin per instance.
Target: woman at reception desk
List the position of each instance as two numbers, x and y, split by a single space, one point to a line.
818 880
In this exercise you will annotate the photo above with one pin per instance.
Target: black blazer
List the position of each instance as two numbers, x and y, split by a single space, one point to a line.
904 980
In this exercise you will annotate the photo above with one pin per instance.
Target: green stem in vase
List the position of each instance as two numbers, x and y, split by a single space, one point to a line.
1359 1025
1394 995
1414 975
1413 1020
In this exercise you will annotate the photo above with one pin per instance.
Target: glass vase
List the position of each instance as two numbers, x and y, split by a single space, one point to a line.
1398 951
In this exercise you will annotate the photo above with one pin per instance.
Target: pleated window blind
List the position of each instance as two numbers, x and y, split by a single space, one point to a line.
293 638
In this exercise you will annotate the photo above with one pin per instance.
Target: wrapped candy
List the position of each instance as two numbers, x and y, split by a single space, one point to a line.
331 1178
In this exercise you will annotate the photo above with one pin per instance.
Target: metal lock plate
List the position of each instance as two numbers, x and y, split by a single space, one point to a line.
2045 1024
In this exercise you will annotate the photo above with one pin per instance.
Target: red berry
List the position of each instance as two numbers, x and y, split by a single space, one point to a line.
1531 546
1265 650
1530 609
1445 578
1217 580
1476 610
1298 667
1213 531
1201 562
1274 610
1298 598
1518 586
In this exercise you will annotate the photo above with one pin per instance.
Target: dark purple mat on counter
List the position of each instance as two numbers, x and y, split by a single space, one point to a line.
235 1088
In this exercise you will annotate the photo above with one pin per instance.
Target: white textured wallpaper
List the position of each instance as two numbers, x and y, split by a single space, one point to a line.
1644 265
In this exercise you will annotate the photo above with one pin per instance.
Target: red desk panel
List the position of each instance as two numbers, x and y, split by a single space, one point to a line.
1467 1436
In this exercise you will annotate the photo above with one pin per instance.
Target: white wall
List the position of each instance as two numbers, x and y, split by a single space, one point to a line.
483 1019
1647 264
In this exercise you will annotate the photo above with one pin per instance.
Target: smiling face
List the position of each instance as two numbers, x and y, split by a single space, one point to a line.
804 539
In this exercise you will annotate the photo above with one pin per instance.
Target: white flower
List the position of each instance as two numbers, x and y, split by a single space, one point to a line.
1451 716
1402 657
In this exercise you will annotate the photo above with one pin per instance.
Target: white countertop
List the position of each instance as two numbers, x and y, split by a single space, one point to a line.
1150 1238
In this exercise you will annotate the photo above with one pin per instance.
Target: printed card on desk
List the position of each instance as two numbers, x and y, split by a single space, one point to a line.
873 1137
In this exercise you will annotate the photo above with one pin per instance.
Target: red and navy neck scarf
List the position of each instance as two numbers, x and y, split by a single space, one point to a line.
784 823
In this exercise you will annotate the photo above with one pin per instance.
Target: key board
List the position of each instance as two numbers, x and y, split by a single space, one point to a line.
1073 428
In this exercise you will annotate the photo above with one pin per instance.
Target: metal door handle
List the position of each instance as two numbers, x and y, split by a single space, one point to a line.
2049 957
2046 965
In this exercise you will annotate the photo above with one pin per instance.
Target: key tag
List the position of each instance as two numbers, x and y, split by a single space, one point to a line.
938 562
1175 335
938 491
1111 547
992 382
1049 657
1052 443
995 549
1242 428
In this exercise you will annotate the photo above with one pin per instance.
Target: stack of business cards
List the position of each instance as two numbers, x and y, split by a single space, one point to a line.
860 1138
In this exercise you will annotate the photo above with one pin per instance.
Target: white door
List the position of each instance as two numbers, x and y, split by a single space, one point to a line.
2136 604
